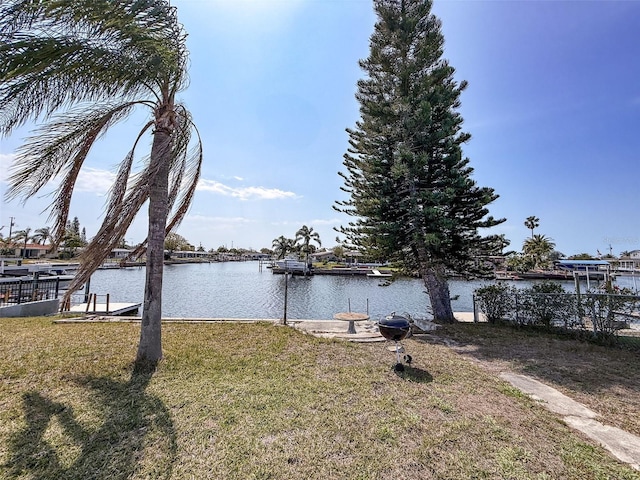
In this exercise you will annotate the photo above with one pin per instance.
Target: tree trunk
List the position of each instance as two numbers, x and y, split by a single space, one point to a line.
150 346
437 286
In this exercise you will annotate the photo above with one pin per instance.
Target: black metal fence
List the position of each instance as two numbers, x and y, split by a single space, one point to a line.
14 292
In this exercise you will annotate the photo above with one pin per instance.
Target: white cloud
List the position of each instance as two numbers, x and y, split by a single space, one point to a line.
208 220
95 181
91 180
244 193
6 160
327 221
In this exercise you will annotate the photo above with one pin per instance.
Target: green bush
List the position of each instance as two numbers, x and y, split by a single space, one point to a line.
546 305
496 301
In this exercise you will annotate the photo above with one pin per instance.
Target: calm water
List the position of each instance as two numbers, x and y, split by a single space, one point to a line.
240 290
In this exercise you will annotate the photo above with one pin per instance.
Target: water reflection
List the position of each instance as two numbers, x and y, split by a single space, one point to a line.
240 290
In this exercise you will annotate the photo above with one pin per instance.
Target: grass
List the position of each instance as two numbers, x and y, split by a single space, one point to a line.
605 379
259 401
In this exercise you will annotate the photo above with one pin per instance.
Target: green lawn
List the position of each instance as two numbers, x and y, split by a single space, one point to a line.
260 401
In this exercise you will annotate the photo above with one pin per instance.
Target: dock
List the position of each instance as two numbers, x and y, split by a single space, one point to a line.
106 308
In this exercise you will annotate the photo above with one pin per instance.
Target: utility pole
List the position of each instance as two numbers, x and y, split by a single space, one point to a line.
11 224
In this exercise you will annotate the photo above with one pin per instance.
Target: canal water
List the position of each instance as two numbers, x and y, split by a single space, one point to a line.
241 290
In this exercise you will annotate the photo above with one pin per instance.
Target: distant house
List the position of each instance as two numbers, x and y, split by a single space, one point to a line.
327 256
120 253
630 263
31 250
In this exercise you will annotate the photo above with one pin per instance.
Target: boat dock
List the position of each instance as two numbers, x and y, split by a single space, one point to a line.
106 308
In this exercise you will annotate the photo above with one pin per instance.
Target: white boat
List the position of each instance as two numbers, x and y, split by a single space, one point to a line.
292 265
378 274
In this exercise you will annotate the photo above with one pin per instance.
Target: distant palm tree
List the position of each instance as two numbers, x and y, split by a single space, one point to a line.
539 248
282 246
532 223
83 66
42 236
307 234
23 236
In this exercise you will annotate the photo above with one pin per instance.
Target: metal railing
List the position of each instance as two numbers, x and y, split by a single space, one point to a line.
15 292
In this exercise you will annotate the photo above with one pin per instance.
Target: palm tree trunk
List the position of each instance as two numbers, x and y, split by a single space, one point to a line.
150 346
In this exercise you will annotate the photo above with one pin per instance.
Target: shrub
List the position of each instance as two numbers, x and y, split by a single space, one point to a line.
547 304
496 301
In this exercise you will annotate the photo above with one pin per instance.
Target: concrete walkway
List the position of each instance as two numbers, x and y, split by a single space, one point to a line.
622 445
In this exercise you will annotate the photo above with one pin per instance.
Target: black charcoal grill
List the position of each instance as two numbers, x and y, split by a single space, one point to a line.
396 328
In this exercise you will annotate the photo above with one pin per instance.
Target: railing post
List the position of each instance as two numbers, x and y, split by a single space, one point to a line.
88 303
475 309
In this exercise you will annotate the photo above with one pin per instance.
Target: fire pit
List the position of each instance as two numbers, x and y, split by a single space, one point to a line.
395 328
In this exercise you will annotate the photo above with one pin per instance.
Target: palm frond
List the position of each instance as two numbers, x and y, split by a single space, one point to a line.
189 175
56 146
56 52
185 175
190 184
60 149
111 232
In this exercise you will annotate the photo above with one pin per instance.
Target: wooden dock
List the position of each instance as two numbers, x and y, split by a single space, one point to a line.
106 309
92 306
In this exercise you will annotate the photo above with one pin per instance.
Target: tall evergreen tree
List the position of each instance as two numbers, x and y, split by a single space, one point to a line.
411 193
82 66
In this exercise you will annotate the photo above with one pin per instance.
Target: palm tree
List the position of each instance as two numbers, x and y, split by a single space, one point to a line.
282 246
23 236
531 223
539 248
82 66
307 234
42 235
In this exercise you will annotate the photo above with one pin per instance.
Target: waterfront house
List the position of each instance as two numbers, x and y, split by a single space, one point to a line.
326 256
31 250
630 263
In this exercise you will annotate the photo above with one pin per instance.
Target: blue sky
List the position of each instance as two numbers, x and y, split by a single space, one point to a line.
553 107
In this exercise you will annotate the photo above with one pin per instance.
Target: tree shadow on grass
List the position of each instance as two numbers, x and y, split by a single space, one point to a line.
55 443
